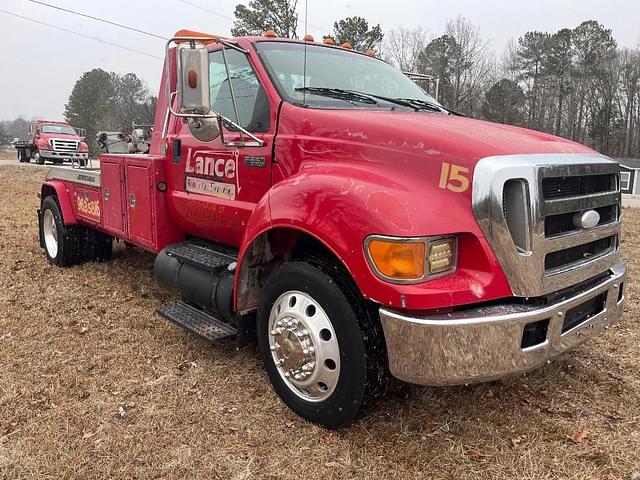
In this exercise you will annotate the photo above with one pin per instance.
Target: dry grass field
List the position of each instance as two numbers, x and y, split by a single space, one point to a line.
93 384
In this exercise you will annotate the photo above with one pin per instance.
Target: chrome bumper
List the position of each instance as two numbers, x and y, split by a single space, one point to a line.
485 343
63 155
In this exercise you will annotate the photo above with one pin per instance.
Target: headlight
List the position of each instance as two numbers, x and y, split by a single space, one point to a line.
411 260
442 255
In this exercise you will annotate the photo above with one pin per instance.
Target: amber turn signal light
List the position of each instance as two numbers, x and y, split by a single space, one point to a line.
192 78
398 260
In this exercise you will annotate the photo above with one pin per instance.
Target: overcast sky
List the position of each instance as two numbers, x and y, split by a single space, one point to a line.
40 65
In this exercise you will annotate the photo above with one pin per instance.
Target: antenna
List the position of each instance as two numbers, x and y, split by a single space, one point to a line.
304 70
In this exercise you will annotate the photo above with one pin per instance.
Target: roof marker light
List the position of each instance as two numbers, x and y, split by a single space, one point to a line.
329 41
270 33
347 45
308 38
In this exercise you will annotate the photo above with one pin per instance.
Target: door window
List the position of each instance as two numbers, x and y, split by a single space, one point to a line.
252 102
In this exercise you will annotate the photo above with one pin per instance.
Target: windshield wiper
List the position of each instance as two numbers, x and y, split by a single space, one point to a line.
340 94
371 99
431 106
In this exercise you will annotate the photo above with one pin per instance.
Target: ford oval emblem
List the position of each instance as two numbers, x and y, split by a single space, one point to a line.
586 220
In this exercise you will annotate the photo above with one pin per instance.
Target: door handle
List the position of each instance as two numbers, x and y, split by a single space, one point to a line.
132 201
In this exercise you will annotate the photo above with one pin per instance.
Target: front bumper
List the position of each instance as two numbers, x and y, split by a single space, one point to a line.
486 343
51 154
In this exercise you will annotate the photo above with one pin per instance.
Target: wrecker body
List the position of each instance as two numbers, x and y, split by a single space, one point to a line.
304 192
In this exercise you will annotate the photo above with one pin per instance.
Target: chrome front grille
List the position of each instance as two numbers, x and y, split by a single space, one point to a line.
64 146
526 207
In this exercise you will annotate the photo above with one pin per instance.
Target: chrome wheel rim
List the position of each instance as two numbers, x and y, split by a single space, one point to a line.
304 346
50 232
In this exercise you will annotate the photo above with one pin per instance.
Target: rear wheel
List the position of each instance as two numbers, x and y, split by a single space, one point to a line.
63 244
101 246
323 351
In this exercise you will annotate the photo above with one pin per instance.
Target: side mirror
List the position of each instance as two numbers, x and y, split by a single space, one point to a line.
30 129
193 78
193 91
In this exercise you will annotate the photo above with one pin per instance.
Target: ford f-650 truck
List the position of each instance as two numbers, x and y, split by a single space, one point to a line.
316 197
55 142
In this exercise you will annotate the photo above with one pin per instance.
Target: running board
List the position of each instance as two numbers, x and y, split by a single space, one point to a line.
196 321
205 255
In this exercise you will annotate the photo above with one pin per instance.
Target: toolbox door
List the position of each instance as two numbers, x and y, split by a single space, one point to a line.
139 200
112 198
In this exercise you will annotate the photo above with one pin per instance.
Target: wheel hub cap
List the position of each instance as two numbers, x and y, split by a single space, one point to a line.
304 346
50 233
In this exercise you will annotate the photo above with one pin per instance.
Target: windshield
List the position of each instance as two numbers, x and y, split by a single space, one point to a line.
63 129
332 68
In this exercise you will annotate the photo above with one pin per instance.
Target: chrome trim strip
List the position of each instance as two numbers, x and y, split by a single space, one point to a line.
525 270
84 177
597 200
580 237
485 343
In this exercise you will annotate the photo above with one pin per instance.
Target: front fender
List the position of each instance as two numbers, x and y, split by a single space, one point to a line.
60 190
341 205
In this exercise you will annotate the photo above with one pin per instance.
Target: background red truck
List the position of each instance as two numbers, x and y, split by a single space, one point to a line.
55 142
319 198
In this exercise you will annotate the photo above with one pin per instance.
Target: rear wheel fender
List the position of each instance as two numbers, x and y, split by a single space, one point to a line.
59 190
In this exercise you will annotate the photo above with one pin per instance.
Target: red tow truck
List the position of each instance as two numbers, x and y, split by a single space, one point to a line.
317 198
53 141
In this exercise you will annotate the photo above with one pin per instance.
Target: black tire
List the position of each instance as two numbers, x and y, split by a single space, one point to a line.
71 239
39 159
101 246
363 363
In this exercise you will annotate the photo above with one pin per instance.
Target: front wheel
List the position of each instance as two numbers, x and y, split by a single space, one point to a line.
38 158
323 351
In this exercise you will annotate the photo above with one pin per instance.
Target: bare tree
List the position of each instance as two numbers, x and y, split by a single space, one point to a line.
403 45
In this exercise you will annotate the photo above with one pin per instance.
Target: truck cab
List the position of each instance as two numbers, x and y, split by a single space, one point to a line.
317 198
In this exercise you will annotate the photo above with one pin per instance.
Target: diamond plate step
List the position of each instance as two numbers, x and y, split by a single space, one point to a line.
207 256
196 321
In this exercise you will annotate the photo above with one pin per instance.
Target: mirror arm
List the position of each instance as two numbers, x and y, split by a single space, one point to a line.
259 142
233 97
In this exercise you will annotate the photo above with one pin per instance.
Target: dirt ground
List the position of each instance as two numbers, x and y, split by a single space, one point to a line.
93 384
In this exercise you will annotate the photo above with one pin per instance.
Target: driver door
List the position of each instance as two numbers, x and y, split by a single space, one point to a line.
218 184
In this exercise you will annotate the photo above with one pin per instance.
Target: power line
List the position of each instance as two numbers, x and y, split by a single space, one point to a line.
97 19
212 12
106 42
200 7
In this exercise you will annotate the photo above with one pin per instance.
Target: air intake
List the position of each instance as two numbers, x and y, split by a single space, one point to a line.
515 207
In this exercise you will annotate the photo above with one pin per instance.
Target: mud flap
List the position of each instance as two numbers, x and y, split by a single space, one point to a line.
40 230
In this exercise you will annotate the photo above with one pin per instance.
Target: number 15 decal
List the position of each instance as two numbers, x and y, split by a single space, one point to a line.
453 177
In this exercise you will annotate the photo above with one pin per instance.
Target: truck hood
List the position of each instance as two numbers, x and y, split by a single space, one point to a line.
400 164
65 136
427 135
